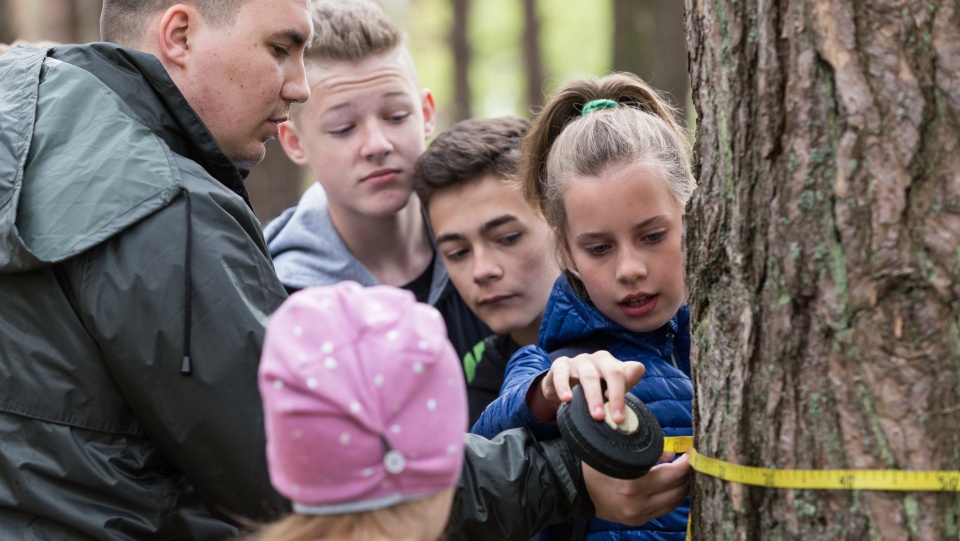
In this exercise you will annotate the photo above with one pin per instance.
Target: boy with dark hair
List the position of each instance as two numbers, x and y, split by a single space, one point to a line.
361 135
495 248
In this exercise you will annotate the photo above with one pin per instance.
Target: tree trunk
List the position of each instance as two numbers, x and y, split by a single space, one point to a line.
532 56
823 256
461 61
648 40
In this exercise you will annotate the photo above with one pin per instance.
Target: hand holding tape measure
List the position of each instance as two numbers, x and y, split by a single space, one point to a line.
629 449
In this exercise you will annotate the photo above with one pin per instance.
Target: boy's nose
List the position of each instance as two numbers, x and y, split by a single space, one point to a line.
375 141
485 266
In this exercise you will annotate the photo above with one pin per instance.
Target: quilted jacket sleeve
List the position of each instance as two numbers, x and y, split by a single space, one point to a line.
510 409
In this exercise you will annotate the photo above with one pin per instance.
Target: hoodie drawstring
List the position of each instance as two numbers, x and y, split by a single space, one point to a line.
187 367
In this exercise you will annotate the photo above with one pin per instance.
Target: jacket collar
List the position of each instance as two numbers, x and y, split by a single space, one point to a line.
569 318
142 82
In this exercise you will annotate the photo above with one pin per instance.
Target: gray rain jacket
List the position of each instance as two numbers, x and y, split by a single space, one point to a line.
135 286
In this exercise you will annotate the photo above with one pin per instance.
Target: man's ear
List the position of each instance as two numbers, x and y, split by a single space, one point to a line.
177 26
429 113
290 141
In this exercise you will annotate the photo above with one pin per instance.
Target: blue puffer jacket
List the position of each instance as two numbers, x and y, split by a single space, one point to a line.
666 389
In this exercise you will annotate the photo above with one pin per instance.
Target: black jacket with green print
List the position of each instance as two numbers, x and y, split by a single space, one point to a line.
483 367
135 286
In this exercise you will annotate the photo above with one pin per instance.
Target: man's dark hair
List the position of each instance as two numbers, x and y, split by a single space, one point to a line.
123 21
469 150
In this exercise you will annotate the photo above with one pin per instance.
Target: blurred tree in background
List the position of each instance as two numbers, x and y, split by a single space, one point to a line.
480 58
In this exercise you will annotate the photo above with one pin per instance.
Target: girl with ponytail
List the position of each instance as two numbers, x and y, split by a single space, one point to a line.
608 167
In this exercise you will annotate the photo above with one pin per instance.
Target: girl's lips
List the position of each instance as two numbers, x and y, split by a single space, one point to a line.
638 305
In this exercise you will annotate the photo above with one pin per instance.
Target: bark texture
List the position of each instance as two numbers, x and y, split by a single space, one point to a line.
823 257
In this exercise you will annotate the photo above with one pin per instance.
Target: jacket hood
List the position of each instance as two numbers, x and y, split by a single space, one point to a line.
307 250
569 318
67 182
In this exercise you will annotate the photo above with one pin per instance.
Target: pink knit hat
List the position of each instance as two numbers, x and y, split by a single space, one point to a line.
363 397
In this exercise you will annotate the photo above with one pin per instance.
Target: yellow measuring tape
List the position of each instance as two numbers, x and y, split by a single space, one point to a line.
937 481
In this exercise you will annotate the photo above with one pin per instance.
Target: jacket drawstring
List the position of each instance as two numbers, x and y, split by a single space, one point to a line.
186 368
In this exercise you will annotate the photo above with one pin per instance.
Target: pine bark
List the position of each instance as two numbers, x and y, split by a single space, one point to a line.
823 257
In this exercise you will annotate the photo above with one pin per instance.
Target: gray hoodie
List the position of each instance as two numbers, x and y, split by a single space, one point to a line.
308 251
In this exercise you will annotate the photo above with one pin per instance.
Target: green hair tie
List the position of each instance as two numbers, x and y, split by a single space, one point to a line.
597 105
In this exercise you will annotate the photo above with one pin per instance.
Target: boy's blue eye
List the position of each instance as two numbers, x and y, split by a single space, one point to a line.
280 51
399 117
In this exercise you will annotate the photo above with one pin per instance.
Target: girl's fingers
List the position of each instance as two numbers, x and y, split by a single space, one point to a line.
589 378
559 379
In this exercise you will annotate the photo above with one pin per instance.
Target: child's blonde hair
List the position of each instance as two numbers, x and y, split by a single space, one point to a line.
564 143
382 523
350 30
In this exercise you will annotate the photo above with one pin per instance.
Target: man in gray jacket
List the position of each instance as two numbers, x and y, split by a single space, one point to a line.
136 286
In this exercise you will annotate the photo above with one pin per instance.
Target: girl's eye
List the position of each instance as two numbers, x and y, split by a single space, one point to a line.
511 239
655 237
455 255
597 250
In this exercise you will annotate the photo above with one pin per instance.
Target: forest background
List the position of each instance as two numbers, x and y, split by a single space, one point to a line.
823 242
480 58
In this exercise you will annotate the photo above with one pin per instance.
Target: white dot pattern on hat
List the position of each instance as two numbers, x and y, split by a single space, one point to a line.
394 462
333 362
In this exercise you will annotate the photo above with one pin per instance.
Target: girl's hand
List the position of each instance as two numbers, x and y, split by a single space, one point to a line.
587 369
636 501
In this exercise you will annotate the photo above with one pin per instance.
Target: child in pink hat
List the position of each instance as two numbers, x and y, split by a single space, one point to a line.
365 412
